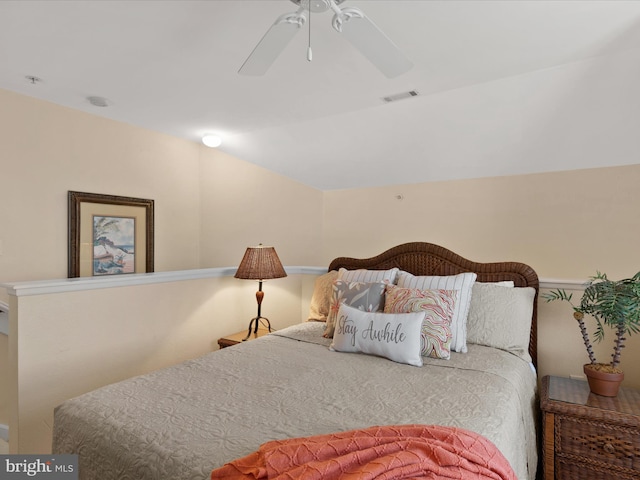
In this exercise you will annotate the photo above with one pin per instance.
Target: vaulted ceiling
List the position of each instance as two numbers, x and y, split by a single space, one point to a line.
493 77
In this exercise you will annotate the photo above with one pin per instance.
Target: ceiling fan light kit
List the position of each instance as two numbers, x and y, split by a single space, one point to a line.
212 141
351 22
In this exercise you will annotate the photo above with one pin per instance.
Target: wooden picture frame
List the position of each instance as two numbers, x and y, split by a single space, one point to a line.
109 235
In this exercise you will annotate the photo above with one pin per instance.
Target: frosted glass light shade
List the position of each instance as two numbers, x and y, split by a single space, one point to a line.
212 141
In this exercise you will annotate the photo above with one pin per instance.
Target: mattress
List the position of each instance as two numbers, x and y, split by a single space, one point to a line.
182 422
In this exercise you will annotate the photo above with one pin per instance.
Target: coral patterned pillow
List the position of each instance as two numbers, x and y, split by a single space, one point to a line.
463 283
439 306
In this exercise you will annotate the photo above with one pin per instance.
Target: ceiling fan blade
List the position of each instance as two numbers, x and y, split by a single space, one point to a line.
363 34
273 43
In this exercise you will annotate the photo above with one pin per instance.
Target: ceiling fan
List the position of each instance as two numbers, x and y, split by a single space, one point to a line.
351 22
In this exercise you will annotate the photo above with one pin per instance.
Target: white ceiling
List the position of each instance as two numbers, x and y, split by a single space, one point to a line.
171 66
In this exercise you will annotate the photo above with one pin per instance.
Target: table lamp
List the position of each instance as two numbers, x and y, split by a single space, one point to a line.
259 263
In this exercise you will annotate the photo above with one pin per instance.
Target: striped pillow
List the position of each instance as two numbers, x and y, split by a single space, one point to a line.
369 276
438 306
462 282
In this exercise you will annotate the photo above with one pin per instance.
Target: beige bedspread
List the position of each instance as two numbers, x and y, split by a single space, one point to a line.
184 421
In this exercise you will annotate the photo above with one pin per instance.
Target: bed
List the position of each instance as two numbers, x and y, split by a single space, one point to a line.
187 420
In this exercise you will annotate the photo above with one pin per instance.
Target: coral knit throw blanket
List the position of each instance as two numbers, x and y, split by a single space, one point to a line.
383 453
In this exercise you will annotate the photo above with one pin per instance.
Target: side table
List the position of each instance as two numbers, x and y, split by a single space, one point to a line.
587 436
236 338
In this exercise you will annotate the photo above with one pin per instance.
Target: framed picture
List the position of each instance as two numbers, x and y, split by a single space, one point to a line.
109 235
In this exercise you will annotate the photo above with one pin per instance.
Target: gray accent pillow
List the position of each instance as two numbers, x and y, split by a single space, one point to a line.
368 297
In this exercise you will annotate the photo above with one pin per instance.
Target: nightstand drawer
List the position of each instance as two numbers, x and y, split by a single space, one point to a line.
576 469
598 442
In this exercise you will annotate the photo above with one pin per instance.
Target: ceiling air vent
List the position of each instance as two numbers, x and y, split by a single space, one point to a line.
400 96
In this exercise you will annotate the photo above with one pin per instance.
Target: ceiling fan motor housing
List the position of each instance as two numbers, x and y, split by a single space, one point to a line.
316 6
351 23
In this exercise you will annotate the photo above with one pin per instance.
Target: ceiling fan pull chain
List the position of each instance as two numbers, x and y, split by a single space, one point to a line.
309 52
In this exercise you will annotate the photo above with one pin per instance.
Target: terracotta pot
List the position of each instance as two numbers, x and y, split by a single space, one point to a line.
603 383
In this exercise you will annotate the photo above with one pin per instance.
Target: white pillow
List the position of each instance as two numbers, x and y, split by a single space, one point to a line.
506 283
368 276
462 282
501 317
395 336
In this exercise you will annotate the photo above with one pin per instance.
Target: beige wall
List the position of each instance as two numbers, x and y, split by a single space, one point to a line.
208 206
244 205
48 150
65 344
566 225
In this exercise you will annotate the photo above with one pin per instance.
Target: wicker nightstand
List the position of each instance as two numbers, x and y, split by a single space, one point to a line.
586 436
236 338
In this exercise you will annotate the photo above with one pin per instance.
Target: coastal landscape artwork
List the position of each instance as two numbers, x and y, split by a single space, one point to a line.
109 235
114 243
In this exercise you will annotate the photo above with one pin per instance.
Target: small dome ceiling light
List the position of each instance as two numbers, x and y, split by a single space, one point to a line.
98 101
212 141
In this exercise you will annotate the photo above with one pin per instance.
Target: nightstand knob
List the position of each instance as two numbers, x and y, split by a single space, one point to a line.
609 448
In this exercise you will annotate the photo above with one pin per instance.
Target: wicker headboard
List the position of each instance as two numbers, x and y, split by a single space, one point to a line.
421 258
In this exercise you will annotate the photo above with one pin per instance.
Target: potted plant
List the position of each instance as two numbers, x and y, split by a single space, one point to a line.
615 304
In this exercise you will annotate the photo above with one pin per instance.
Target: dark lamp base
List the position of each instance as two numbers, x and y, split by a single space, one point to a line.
257 324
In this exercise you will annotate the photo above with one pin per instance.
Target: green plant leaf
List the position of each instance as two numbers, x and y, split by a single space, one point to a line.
614 304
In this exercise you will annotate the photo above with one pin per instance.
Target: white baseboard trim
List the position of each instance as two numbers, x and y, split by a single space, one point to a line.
4 432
